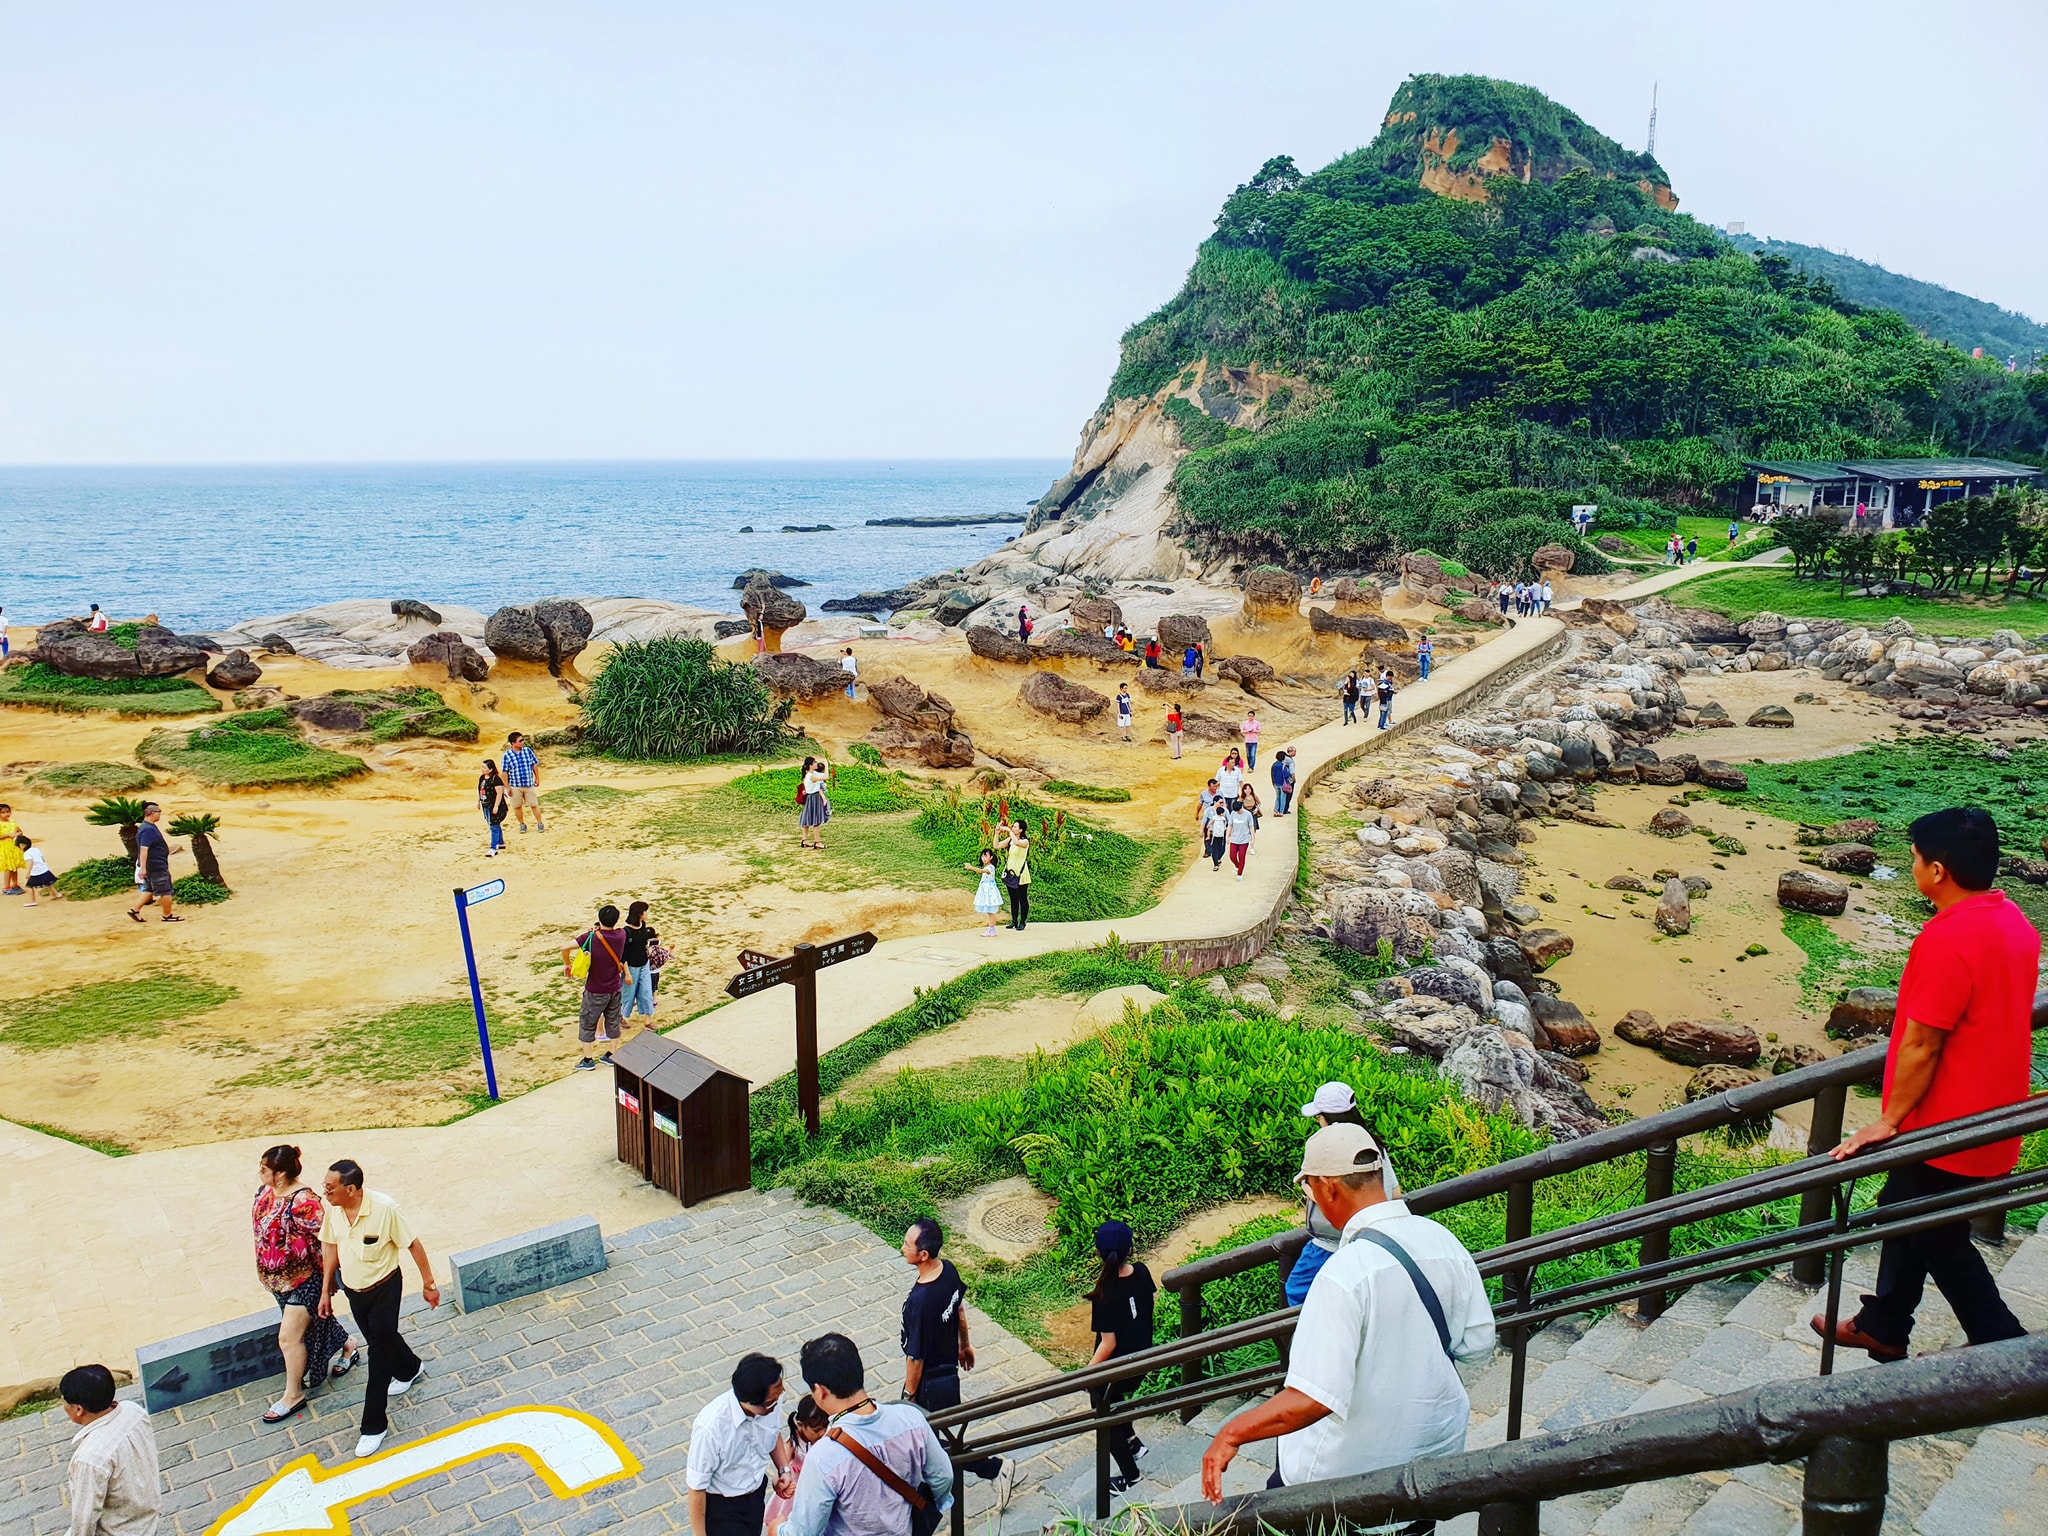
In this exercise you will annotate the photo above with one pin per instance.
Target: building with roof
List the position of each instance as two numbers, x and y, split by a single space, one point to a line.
1888 493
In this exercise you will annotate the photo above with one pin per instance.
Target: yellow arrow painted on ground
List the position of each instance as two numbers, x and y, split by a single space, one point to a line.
572 1453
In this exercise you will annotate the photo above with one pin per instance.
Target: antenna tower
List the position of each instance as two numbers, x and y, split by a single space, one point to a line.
1651 147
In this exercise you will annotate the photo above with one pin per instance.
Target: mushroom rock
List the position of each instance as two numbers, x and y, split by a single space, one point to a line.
447 649
1804 890
233 671
69 647
1178 631
993 645
412 608
1071 703
1356 626
1246 671
547 632
898 698
771 608
1352 596
1421 575
1271 593
1094 614
798 676
1553 557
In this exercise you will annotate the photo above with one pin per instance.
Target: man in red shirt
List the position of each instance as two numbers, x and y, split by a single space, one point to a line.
1960 1045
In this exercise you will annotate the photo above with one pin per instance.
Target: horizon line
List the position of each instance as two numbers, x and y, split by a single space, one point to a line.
891 459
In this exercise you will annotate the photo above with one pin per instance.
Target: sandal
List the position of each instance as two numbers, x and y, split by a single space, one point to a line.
281 1411
344 1365
174 918
135 914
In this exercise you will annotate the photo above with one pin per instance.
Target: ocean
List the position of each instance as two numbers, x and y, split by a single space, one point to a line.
203 547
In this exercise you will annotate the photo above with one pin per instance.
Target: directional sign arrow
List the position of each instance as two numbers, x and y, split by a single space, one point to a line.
172 1379
762 977
753 959
484 892
850 948
570 1451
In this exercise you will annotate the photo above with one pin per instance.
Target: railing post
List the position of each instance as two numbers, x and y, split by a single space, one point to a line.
1102 1471
1510 1518
1660 1165
959 1497
1190 1325
1284 1344
1814 1205
1515 1290
1846 1484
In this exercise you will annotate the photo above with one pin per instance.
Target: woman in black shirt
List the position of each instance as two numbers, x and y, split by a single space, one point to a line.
640 975
494 802
1120 1312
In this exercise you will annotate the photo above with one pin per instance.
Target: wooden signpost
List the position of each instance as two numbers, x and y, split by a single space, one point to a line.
800 971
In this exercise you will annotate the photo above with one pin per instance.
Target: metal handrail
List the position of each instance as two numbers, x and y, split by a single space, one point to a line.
1842 1425
1734 1106
1815 1239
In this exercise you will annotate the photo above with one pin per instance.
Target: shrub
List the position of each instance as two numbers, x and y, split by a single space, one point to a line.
233 755
100 778
90 879
1067 789
198 891
38 677
439 724
866 753
672 698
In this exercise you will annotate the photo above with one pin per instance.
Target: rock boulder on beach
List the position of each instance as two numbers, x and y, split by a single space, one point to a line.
447 649
1248 672
1670 822
1674 908
1847 858
1069 703
1719 775
898 698
234 670
1271 593
1178 631
1544 946
758 575
1705 1042
770 607
1094 614
1804 890
796 675
549 633
1638 1027
1863 1013
69 647
413 608
993 645
1569 1032
1775 715
1354 596
1708 1081
1083 645
1356 626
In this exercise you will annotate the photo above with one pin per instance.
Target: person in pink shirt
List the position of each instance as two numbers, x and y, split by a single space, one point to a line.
1251 738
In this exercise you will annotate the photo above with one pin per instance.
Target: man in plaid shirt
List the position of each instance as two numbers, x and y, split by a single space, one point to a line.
522 780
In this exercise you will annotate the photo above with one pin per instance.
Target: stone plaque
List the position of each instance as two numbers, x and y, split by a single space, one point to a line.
216 1359
533 1261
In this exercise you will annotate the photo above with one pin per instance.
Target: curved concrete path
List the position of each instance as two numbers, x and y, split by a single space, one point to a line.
103 1254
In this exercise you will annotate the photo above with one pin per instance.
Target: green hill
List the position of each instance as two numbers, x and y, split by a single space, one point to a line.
1454 371
1935 311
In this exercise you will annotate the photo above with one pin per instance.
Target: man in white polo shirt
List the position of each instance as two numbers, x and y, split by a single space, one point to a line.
734 1442
1370 1380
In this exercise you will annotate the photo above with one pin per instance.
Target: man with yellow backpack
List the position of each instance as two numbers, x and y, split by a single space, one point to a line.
598 957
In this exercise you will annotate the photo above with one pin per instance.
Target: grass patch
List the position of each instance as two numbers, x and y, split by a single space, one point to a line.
136 1009
198 891
90 1143
91 879
855 790
89 778
1744 594
1712 532
437 724
411 1042
37 686
570 796
1833 964
239 754
1067 789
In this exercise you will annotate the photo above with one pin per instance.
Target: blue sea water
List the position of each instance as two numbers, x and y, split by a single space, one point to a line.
203 547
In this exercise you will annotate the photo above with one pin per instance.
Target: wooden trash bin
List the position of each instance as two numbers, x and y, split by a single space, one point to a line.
697 1127
631 1063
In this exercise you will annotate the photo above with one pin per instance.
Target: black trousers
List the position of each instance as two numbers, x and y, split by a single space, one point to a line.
1123 1440
391 1358
1215 851
737 1514
941 1389
1020 905
1947 1256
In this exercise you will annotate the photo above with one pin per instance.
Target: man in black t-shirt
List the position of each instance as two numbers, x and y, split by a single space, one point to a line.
935 1343
154 852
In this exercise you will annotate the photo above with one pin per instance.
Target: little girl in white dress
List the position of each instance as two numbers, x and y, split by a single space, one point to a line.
988 896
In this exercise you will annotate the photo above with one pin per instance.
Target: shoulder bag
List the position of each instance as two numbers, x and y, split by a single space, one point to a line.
1423 1288
924 1514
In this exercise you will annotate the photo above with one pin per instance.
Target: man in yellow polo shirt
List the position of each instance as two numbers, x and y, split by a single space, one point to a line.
362 1236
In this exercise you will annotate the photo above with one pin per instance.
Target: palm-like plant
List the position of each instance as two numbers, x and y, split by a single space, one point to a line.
201 827
122 812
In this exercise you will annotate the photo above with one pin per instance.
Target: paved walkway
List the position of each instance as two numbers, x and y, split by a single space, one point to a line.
105 1254
640 1347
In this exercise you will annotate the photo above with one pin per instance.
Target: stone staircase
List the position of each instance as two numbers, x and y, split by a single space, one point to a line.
1722 1337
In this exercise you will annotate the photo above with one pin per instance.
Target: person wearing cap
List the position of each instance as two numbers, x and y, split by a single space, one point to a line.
1120 1313
1371 1378
1334 1104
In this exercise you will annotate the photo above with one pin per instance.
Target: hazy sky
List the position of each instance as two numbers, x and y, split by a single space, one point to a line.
268 232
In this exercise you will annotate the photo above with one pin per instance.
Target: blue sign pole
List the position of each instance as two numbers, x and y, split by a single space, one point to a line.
476 991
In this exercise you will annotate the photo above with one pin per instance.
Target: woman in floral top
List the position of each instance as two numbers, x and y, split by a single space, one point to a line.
286 1216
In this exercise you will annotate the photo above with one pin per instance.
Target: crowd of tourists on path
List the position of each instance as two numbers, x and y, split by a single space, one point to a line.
1522 600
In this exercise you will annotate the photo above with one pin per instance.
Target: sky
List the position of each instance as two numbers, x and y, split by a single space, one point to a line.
263 233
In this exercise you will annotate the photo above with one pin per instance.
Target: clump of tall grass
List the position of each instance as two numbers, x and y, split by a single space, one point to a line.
672 698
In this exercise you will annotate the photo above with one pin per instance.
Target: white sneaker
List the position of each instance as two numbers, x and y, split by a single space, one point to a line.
1005 1484
368 1445
400 1388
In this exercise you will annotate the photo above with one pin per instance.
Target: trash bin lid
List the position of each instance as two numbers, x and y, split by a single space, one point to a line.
683 1072
643 1053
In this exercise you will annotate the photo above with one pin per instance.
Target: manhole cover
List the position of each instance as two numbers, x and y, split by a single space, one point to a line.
1019 1220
